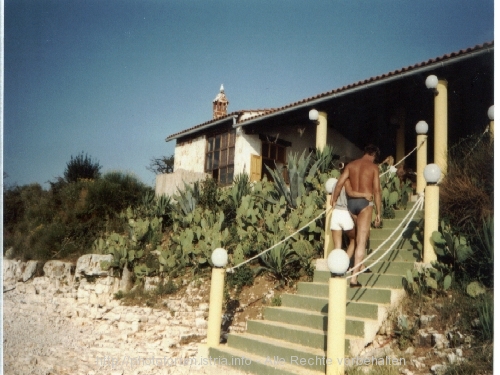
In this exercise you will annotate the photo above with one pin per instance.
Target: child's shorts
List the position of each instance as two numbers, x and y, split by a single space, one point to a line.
341 220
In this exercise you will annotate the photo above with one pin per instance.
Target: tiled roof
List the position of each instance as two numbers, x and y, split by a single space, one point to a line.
217 120
380 77
265 112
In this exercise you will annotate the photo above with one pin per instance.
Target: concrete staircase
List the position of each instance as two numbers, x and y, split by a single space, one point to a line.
291 339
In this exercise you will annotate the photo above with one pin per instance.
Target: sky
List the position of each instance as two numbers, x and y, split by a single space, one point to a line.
113 79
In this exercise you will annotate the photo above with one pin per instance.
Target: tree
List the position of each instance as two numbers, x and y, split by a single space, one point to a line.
164 164
81 167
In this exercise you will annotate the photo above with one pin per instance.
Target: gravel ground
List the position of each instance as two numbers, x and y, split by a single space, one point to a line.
38 341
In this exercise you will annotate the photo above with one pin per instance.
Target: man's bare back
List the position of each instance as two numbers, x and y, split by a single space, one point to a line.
363 175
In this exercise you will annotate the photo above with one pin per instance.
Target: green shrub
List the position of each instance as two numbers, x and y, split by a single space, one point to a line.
242 276
81 167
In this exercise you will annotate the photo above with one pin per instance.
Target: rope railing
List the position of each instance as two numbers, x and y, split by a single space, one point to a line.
231 269
411 152
479 140
278 243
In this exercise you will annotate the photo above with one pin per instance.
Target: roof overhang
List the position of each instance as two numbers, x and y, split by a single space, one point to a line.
230 118
364 85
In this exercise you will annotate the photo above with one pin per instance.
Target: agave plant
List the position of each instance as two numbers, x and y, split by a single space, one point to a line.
279 263
299 168
187 199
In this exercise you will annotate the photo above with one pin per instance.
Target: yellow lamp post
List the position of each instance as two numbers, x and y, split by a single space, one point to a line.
421 128
440 88
219 259
432 174
321 127
338 263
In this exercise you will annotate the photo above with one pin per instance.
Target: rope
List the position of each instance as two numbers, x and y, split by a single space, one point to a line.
418 205
229 270
479 140
411 152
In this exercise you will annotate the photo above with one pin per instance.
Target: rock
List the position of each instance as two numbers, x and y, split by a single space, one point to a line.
201 323
438 369
452 358
9 254
424 338
151 283
30 270
12 272
425 320
90 265
410 350
126 281
439 341
56 269
418 364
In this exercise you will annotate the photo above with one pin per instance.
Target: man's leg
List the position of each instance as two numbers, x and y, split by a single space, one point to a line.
363 222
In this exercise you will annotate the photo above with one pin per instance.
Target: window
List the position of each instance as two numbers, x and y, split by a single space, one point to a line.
220 157
273 154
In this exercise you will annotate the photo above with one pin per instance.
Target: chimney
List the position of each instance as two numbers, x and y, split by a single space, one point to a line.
220 104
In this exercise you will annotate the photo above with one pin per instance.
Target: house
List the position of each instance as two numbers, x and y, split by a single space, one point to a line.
382 110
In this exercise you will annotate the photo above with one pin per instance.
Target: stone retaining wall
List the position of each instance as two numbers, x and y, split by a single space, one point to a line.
84 293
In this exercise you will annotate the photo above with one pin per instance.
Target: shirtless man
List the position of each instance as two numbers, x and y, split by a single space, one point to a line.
363 174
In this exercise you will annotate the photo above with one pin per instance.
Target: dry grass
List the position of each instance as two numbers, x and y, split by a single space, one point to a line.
466 193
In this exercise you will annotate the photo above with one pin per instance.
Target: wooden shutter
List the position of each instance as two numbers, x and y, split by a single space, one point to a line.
255 167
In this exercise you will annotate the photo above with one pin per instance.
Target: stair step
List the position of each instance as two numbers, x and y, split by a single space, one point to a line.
283 351
401 214
318 291
398 254
310 333
304 317
266 364
394 223
370 280
308 302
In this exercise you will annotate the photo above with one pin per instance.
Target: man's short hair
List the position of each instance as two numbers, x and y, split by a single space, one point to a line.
372 150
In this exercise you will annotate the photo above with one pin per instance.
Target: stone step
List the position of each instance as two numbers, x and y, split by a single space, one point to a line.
401 214
303 317
394 223
312 331
316 289
393 233
367 280
310 303
268 363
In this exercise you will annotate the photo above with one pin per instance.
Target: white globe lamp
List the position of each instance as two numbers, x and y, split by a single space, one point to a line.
432 173
422 127
491 112
431 82
219 257
313 115
338 262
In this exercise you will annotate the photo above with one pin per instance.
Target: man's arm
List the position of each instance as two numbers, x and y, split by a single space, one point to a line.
377 196
356 194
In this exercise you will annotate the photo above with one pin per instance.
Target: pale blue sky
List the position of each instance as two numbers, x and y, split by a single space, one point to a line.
114 78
